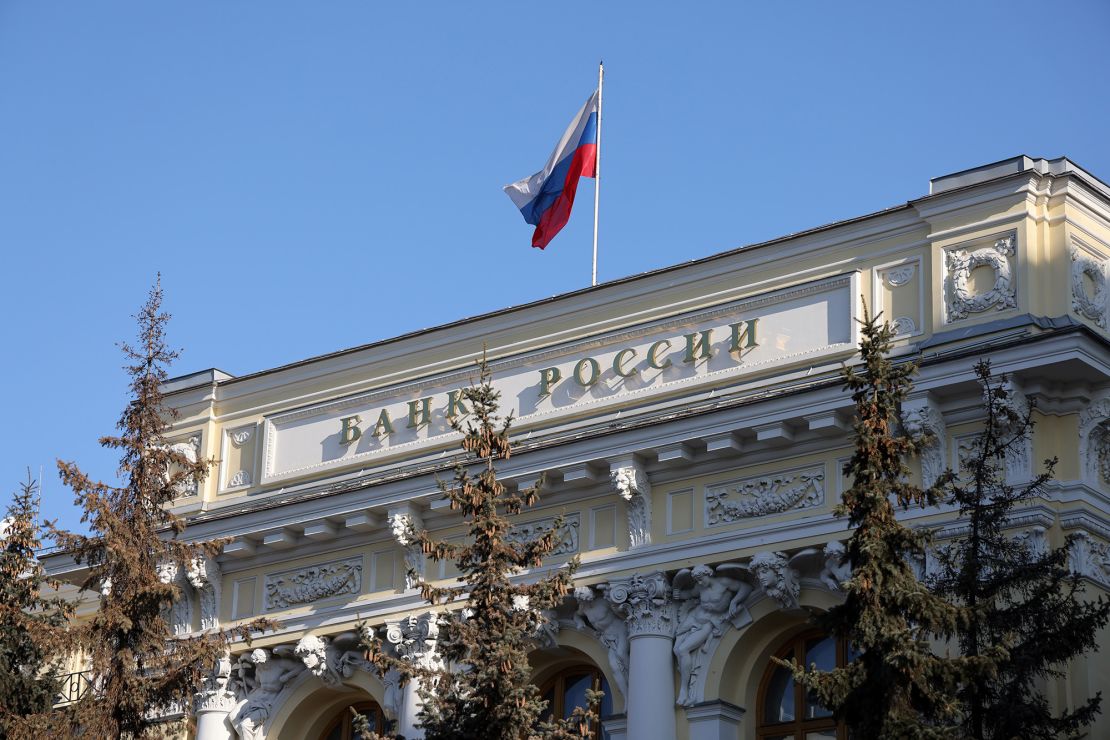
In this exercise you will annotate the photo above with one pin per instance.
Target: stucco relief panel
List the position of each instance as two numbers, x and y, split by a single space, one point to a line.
313 583
964 294
1088 283
764 495
238 458
898 292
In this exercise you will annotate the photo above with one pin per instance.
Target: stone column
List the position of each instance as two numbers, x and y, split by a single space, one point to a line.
213 705
645 603
414 640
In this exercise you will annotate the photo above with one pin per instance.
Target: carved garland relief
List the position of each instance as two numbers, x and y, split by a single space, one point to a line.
317 582
960 263
1086 269
758 496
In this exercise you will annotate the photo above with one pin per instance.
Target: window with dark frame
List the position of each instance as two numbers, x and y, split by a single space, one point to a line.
566 690
341 726
785 710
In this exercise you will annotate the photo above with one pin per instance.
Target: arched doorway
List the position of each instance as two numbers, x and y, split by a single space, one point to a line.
341 725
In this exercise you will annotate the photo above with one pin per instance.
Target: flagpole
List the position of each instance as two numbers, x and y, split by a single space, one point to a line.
597 165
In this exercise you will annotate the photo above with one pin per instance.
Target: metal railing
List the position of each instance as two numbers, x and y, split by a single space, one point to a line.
73 687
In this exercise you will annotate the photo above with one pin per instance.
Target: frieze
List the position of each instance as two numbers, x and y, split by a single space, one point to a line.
314 583
568 534
656 357
748 498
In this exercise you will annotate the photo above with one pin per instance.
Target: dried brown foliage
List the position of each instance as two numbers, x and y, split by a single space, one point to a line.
141 673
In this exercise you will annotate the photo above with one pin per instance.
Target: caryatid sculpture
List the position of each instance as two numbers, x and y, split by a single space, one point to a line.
262 675
598 615
710 598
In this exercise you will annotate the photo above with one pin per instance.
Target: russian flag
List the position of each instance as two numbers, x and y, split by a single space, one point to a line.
545 198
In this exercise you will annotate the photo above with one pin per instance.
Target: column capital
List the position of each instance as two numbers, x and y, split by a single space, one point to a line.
414 638
644 601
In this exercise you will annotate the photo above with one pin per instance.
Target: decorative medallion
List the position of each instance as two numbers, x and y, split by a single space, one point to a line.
960 264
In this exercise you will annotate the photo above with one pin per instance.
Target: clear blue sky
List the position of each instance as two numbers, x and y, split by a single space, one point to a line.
315 175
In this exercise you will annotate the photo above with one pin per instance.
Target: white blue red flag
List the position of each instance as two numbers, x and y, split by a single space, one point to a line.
545 198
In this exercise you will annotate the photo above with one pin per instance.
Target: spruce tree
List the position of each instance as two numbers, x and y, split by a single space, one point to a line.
897 685
482 689
1021 593
32 625
140 673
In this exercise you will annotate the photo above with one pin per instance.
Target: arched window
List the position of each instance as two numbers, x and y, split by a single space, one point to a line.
567 689
340 727
786 710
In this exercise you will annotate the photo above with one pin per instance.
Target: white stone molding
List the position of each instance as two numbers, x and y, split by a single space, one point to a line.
644 601
180 615
904 326
1033 540
837 568
960 263
921 418
714 720
188 448
777 577
313 583
205 577
1094 441
241 478
214 701
597 615
758 496
1010 413
616 726
241 436
332 659
568 542
261 677
546 631
414 639
632 485
899 275
1089 558
405 523
1084 267
710 600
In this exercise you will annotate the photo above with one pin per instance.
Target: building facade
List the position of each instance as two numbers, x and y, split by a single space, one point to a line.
692 428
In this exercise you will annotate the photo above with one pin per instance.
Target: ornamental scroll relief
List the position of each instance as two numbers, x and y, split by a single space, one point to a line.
568 534
306 585
960 263
758 496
